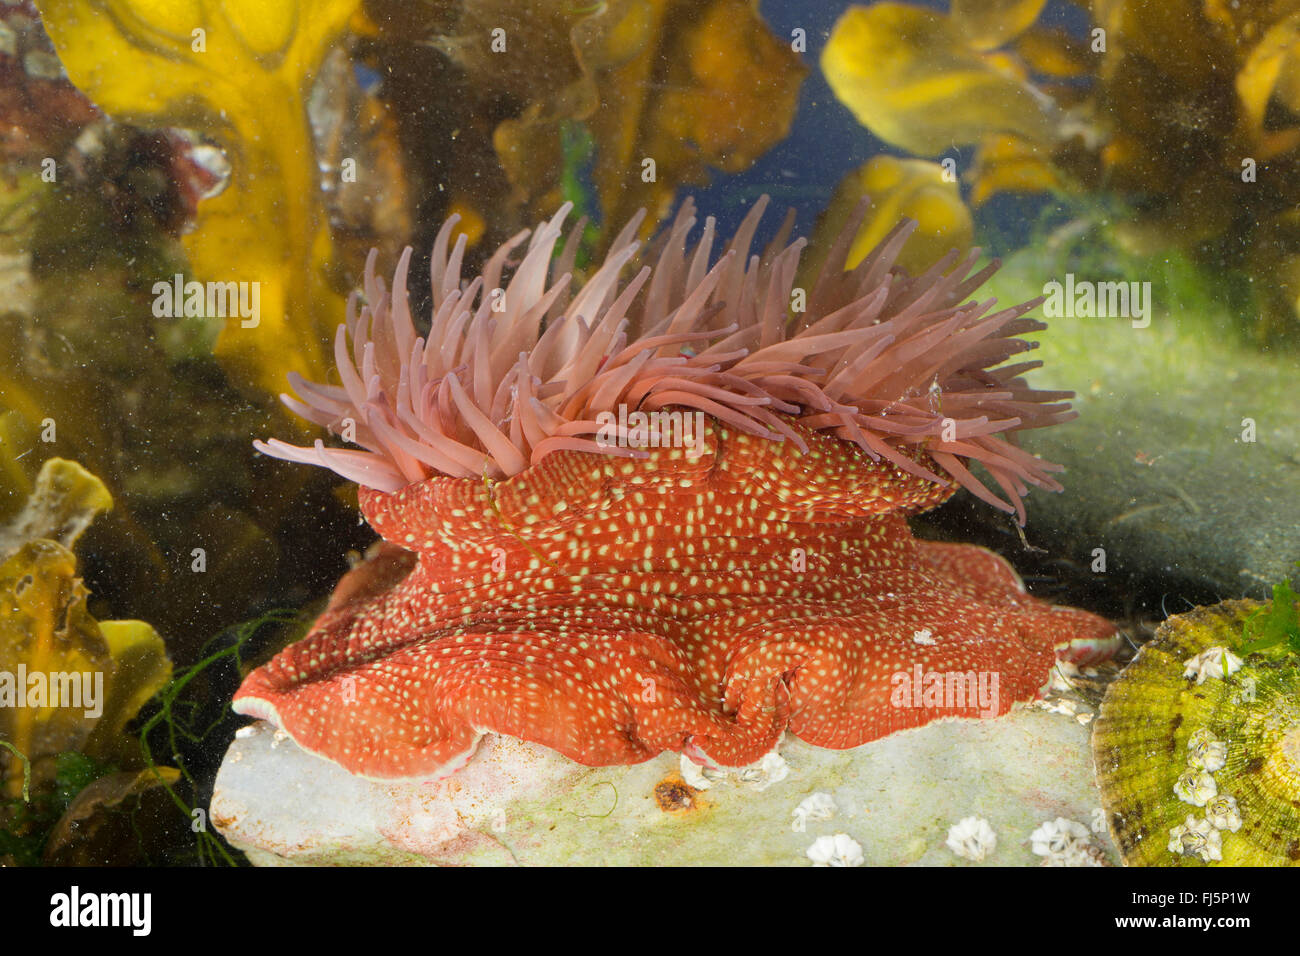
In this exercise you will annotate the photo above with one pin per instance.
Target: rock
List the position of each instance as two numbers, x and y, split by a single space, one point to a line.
1182 466
520 803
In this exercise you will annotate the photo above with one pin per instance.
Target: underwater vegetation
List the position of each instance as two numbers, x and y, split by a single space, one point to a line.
1185 112
730 95
1197 745
92 212
663 90
90 374
81 699
245 76
47 629
238 73
68 684
897 189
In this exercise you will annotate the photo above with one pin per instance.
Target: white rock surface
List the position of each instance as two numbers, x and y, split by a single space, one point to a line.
516 803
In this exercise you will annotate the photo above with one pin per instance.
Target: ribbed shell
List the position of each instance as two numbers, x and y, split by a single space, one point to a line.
1140 743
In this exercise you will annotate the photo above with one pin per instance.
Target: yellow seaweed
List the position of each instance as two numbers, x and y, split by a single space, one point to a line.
1054 53
1185 111
911 76
66 499
93 375
238 71
990 23
47 634
1175 36
899 189
45 630
1009 164
736 95
140 670
1270 68
688 86
16 484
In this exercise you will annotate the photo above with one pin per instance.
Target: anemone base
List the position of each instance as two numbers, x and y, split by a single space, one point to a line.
704 604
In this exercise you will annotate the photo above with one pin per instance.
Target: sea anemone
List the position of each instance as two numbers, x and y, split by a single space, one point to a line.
704 599
511 371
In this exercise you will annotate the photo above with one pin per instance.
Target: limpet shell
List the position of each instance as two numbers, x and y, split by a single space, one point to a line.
1152 713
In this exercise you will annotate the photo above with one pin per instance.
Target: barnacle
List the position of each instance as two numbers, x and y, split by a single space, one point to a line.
972 838
838 850
1196 837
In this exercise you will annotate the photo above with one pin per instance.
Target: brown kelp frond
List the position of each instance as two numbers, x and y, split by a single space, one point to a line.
515 368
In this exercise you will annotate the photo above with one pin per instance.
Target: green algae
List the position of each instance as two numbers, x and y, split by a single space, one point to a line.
1276 623
179 722
1182 466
